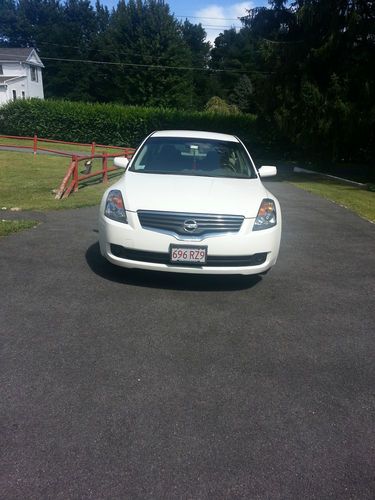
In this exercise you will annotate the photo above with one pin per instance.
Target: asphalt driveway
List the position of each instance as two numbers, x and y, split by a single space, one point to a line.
119 384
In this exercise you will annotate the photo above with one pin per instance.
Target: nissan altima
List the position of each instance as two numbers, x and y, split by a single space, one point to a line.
191 202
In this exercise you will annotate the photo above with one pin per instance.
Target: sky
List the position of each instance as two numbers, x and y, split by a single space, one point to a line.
215 16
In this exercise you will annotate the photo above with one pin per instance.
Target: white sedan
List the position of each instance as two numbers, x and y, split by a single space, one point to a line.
191 202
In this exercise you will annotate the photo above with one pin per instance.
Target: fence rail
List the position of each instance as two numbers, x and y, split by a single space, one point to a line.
72 177
35 145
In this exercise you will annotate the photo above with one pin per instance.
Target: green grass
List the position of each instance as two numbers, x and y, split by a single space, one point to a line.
27 182
355 198
13 226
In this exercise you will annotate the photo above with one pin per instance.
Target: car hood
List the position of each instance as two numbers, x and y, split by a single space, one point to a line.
178 193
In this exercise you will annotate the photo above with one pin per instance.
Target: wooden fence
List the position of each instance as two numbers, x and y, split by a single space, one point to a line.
73 175
36 144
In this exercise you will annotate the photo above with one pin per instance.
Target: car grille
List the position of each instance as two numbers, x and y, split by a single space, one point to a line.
212 260
175 223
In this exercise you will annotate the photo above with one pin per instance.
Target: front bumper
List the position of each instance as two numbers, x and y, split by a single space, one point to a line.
246 252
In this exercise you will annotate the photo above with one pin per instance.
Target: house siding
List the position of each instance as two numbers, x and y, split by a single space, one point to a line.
23 83
35 89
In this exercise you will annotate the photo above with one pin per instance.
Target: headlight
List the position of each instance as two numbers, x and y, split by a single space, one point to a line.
114 207
266 217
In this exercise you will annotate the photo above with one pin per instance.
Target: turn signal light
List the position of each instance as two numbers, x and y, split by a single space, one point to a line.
114 207
266 217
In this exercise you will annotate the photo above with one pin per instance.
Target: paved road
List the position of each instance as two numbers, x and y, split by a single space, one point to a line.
118 384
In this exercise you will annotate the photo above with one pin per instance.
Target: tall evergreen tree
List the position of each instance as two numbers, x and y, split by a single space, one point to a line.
72 80
195 38
8 22
146 35
320 84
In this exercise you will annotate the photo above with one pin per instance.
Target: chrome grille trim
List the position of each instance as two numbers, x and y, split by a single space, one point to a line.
173 223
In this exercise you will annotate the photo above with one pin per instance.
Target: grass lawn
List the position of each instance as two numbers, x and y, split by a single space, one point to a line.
13 226
27 182
355 198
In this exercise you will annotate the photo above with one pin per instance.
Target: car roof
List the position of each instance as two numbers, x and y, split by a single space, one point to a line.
195 134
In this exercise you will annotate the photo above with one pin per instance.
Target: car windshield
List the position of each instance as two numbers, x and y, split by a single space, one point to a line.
197 157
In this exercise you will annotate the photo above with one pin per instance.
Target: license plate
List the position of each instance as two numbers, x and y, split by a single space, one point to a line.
186 254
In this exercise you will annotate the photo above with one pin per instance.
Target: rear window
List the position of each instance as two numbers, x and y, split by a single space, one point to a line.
197 157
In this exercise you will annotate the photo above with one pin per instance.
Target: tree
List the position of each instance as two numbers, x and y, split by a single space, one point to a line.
304 67
195 38
243 95
218 105
229 58
136 54
58 31
78 29
8 21
320 88
150 74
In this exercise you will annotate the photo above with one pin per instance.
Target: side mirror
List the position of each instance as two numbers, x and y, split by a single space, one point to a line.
267 171
120 162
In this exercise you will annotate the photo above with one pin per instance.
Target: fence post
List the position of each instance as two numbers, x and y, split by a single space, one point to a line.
35 144
105 168
92 148
60 192
75 174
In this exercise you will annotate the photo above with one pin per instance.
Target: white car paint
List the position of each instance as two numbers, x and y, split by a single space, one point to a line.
193 195
194 134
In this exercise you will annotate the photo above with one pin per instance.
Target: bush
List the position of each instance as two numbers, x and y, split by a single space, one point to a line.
111 123
221 107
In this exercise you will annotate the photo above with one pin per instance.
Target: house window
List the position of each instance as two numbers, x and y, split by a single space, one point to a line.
1 69
34 74
14 95
23 94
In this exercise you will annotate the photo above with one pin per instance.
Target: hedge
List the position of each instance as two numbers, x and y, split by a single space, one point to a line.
111 123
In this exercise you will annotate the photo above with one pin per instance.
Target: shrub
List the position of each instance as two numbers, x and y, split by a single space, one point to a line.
111 123
221 107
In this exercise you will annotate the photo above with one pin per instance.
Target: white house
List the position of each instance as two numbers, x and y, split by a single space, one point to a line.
20 74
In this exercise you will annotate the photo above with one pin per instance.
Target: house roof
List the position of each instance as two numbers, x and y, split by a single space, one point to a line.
4 79
20 54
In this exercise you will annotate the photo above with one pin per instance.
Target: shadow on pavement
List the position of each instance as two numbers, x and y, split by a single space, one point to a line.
171 281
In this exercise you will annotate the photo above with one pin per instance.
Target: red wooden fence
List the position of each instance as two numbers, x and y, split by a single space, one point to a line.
34 144
73 178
